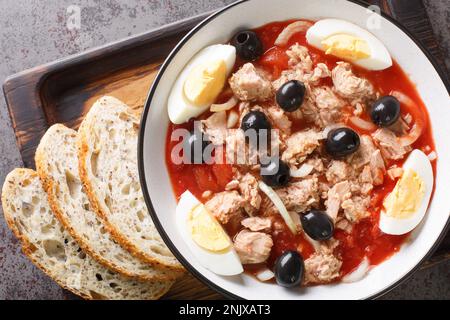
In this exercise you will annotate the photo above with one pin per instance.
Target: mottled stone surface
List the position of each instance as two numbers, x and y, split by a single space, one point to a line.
33 32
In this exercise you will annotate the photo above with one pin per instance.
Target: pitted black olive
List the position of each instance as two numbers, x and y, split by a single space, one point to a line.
342 142
275 172
290 95
317 224
289 269
248 45
385 111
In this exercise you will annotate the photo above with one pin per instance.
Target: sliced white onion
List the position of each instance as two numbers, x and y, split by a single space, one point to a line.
265 275
224 106
359 273
290 30
233 119
362 124
327 129
314 243
432 156
273 196
403 98
412 135
303 171
417 128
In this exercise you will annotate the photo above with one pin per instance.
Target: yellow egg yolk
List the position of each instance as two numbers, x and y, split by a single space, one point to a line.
346 46
406 197
206 231
205 82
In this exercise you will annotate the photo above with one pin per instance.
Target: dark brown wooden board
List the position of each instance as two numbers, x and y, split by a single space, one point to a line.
64 90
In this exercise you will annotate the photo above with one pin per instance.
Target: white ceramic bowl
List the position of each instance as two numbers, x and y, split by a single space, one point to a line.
219 28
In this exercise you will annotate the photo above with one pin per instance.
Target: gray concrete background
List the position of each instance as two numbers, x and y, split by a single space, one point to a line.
33 32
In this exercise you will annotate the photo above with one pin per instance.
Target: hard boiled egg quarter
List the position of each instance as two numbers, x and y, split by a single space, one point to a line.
406 205
349 41
200 82
205 237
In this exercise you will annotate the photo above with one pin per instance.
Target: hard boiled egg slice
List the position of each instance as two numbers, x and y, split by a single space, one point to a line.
406 205
206 238
200 82
349 41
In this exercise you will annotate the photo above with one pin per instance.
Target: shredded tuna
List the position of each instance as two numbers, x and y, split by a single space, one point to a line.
338 171
215 127
321 268
351 87
257 223
279 119
389 144
253 247
299 58
250 84
336 195
395 172
248 185
355 208
300 145
225 205
301 195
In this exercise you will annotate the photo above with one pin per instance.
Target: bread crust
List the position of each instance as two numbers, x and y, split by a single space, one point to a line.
50 186
83 154
18 176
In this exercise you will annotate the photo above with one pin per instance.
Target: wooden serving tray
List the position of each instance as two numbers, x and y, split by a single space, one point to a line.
64 90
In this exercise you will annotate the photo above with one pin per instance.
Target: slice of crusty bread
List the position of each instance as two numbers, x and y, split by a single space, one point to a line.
54 251
108 168
57 165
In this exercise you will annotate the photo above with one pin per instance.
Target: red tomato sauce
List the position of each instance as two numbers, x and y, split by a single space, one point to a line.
366 239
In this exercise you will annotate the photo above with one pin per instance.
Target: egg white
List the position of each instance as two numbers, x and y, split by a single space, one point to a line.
418 162
379 56
226 263
179 108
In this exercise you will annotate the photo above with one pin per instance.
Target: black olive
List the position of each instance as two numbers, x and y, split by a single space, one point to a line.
247 44
194 147
341 142
290 95
289 269
385 111
275 172
317 224
257 121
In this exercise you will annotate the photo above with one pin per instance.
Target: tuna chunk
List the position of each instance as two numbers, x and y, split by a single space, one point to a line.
253 247
250 84
355 208
320 71
321 106
390 145
301 195
395 172
377 168
364 154
303 73
322 268
248 185
257 223
225 206
336 195
338 171
299 58
215 127
349 86
279 119
300 145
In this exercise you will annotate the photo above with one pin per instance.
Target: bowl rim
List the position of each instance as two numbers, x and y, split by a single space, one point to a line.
142 178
